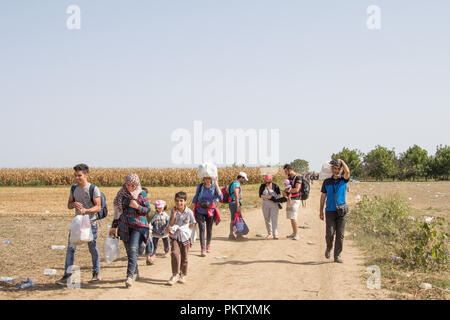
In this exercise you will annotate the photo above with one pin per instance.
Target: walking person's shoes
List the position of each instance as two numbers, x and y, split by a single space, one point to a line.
95 277
327 254
63 280
174 279
203 254
136 277
275 237
291 235
129 282
182 279
208 248
296 237
338 260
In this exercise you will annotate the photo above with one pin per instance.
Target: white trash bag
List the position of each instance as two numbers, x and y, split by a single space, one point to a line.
207 169
325 172
80 230
111 249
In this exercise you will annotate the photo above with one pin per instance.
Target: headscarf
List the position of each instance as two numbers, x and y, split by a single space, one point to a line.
123 192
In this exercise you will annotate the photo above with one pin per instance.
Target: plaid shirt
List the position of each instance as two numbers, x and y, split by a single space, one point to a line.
134 219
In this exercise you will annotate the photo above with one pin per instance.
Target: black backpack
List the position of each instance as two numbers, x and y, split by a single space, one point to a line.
305 189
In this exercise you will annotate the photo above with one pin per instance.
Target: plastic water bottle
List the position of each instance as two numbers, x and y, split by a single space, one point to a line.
6 279
50 272
7 242
28 284
58 247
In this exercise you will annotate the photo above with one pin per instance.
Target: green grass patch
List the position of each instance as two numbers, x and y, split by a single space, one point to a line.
407 251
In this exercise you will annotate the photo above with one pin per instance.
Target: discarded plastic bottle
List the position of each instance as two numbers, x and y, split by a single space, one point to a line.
50 272
6 279
7 242
58 247
28 284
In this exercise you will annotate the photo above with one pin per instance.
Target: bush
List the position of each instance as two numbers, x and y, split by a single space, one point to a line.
385 221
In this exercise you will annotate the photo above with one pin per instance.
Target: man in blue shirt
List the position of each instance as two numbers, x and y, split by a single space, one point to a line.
235 206
336 185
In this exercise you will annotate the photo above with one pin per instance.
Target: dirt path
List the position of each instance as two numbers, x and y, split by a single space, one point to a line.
268 269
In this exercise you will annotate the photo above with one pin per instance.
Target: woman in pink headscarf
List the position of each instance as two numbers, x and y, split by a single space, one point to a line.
131 207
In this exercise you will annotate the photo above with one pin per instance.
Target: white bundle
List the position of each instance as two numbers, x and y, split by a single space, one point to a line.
207 169
325 172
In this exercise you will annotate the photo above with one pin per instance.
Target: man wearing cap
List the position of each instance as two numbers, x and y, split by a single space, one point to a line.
293 205
235 204
333 191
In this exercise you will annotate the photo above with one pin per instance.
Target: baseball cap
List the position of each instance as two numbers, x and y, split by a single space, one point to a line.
335 163
244 175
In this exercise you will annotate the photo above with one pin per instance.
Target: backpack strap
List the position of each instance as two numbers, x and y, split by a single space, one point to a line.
200 193
91 192
72 190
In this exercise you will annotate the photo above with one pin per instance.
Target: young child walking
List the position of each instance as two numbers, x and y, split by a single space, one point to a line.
180 228
159 224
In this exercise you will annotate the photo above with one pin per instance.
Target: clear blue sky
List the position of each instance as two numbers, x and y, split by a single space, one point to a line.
111 93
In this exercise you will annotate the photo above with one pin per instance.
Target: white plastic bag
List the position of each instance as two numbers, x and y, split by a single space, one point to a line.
111 249
207 169
80 230
194 234
325 172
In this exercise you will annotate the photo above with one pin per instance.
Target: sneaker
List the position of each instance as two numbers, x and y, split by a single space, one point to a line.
95 277
327 254
182 279
174 279
296 237
129 282
338 260
63 280
291 235
203 254
208 248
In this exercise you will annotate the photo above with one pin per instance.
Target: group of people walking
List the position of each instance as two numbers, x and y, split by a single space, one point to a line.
140 229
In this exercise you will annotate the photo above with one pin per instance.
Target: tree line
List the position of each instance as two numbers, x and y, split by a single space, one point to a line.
382 163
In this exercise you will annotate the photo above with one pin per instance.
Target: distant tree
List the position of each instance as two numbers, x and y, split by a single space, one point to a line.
300 166
380 163
413 163
442 162
353 158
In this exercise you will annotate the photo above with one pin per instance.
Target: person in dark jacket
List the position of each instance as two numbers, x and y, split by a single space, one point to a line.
268 192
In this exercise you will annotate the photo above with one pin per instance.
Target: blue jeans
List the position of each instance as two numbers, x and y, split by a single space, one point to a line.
155 244
132 248
93 249
147 248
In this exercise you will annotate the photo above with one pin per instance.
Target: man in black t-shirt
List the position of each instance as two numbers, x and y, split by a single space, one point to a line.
294 204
